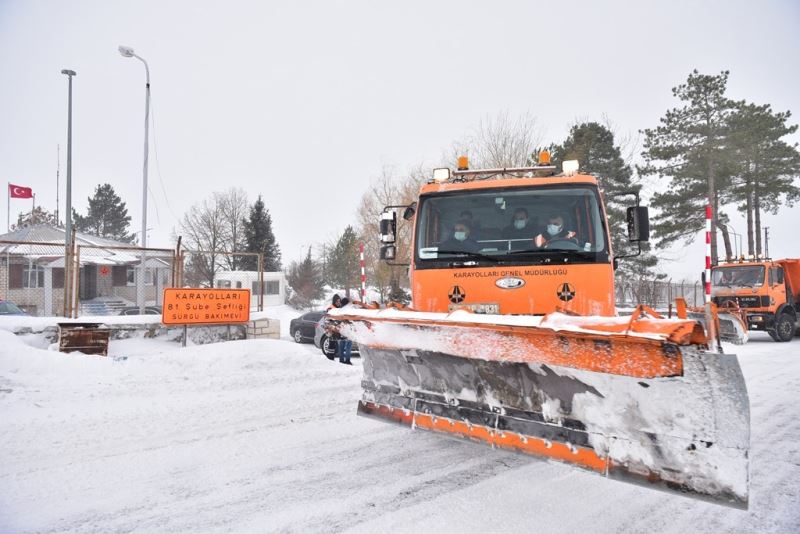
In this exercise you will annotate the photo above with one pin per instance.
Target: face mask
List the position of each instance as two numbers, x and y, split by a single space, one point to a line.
553 229
519 224
460 236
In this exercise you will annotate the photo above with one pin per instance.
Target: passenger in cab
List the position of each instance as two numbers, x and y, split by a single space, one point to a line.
460 240
554 231
520 228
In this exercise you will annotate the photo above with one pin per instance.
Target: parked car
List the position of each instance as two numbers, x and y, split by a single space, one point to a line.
325 343
9 308
302 328
134 310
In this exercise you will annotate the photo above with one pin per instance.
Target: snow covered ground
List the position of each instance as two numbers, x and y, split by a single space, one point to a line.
253 436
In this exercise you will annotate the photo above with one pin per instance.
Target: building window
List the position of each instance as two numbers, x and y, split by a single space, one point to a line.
32 276
273 287
224 284
131 276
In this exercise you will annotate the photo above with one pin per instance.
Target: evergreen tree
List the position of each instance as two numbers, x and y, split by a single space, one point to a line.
592 144
305 279
689 149
767 165
343 265
106 216
260 238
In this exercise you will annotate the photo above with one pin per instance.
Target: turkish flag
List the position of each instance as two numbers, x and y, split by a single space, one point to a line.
17 191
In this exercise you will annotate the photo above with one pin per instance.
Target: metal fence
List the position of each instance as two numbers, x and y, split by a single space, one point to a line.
657 293
32 277
51 279
230 270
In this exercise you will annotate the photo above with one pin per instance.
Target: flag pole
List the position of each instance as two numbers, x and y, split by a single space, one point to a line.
33 207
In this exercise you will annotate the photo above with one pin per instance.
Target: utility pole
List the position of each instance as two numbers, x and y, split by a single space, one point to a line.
68 232
766 241
58 170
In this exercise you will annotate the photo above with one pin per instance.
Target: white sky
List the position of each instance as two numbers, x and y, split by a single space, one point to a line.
306 102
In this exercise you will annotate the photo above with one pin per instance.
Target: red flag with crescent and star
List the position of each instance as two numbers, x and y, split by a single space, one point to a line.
18 191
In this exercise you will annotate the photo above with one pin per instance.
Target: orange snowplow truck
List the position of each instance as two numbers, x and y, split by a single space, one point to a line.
767 290
513 339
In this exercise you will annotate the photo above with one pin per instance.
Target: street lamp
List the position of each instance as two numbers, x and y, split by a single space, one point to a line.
68 230
127 51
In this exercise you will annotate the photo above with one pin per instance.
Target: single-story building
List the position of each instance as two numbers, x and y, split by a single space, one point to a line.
274 289
32 263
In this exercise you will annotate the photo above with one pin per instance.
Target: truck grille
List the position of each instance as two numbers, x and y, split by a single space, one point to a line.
754 301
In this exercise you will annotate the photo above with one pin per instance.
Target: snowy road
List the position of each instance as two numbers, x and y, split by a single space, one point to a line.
256 436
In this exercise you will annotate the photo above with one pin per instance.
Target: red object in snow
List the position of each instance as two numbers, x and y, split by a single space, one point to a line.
18 191
104 270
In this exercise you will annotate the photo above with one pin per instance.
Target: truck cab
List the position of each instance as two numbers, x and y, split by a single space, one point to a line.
766 289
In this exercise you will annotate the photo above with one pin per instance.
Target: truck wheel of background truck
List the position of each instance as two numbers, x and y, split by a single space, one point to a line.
784 327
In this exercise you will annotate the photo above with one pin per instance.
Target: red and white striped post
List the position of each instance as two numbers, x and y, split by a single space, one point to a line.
363 273
711 316
708 253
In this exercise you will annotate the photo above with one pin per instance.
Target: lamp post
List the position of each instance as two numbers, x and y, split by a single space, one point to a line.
127 51
68 230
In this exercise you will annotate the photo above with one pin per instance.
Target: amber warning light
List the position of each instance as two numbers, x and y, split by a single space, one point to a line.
205 306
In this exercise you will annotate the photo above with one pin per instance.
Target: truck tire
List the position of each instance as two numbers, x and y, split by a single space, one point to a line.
784 327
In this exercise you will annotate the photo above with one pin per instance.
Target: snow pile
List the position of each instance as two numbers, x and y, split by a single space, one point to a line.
254 436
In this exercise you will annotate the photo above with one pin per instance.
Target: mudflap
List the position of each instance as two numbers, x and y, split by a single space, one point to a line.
686 434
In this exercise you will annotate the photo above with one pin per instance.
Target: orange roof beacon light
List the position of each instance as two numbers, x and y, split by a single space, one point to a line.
544 157
463 163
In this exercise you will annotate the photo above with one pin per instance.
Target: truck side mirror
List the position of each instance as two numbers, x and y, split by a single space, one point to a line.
638 224
409 212
388 226
388 252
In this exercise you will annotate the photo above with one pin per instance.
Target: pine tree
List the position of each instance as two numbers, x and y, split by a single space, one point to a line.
106 216
767 165
343 265
259 237
592 144
305 279
689 150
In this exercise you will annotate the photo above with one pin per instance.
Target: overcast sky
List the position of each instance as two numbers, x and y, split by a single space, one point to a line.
306 102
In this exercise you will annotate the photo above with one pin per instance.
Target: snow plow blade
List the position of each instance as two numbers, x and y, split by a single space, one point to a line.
637 400
731 321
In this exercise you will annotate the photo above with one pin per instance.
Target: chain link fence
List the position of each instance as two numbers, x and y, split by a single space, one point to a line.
232 270
32 278
657 293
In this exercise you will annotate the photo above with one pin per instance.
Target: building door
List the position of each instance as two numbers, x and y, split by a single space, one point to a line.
88 282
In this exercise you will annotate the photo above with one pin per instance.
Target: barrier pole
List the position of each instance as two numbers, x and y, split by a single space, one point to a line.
363 273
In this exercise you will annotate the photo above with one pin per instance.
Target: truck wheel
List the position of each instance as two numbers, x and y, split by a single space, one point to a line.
784 327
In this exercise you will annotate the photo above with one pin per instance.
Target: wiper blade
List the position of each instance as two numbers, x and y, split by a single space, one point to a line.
579 253
470 254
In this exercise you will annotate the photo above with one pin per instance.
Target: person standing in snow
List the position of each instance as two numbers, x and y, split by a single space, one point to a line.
345 346
336 302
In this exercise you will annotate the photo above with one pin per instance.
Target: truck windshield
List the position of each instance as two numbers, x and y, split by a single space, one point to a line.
739 276
503 225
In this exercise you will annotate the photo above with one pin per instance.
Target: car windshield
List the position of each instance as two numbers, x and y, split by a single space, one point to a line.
739 276
500 226
9 308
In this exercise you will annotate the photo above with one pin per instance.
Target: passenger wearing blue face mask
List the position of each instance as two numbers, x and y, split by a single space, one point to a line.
520 228
460 240
554 231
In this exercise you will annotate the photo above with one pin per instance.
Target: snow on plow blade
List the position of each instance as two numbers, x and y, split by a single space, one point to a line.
732 328
635 400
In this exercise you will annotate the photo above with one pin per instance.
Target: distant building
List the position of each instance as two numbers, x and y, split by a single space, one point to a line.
274 285
32 272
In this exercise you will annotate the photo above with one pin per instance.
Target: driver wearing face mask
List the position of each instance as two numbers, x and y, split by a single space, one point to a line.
460 240
554 231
